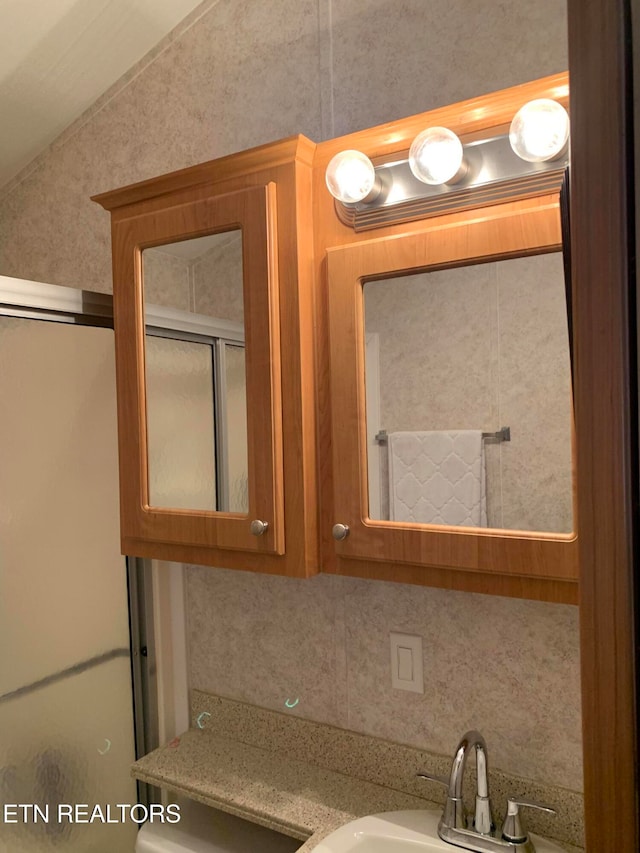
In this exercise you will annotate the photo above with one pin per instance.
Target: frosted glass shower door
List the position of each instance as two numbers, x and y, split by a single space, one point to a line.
66 718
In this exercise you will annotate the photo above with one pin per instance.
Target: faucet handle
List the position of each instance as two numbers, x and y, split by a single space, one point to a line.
430 777
512 829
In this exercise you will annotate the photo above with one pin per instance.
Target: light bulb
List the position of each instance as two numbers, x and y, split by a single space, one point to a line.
539 130
436 156
350 176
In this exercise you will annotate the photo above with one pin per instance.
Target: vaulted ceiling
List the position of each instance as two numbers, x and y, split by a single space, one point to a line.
58 56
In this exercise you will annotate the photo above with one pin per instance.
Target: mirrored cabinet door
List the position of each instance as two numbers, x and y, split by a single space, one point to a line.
214 311
202 443
453 446
195 383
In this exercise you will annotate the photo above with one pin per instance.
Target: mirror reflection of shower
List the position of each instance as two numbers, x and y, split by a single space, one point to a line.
195 375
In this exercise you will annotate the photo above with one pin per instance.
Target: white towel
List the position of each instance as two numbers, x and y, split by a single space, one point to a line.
437 477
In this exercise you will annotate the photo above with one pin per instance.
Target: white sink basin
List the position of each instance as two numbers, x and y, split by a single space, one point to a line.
391 832
400 832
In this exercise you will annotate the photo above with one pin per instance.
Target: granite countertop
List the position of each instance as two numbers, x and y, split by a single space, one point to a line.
291 796
305 779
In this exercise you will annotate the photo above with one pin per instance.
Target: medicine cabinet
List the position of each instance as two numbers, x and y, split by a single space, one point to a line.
449 398
217 420
280 430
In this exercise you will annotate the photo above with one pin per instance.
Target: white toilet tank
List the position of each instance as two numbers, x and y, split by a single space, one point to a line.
206 830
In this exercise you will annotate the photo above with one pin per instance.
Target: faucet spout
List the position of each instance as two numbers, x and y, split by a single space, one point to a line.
454 810
470 740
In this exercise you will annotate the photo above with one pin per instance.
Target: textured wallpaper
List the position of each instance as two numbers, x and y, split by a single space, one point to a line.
506 667
247 72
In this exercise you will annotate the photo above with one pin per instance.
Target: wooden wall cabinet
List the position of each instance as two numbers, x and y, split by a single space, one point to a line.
263 195
303 276
516 562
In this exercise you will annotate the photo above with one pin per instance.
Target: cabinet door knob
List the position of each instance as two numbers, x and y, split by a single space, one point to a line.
259 527
340 532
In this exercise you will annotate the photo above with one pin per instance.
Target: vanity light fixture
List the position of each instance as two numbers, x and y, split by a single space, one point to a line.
443 174
436 156
540 131
351 177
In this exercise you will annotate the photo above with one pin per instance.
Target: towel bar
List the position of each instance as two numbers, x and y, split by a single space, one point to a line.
503 434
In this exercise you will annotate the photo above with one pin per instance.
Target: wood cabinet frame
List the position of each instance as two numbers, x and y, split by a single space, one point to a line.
266 193
603 35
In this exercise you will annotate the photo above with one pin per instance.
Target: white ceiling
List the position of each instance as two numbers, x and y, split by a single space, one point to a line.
58 56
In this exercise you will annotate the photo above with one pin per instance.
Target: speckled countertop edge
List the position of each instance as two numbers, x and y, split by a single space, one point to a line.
276 791
284 794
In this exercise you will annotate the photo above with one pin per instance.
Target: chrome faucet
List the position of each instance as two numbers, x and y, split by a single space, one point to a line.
481 835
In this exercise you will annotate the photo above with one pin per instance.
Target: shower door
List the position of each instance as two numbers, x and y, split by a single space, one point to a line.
66 717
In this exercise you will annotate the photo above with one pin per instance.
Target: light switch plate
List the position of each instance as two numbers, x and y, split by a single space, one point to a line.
406 662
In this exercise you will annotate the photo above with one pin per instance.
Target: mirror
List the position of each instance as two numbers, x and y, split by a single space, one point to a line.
195 380
452 357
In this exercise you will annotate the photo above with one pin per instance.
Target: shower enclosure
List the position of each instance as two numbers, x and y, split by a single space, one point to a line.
75 621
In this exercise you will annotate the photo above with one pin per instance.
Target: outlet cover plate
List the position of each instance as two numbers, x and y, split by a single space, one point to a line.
406 662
